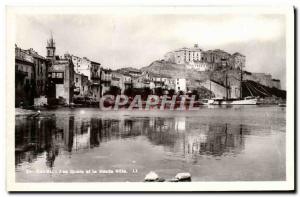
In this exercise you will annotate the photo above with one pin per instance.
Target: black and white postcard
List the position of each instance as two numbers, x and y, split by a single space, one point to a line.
150 98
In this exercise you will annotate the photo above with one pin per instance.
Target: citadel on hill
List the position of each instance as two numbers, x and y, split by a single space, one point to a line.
62 80
197 59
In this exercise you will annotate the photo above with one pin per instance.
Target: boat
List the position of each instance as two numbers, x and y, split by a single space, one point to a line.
249 100
282 104
245 101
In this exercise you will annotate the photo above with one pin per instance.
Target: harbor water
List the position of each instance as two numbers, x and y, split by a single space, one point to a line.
237 143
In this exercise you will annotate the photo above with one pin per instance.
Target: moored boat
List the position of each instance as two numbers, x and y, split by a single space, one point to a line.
245 101
282 104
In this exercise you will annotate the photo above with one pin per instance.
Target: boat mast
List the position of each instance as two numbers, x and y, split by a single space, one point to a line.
210 85
226 79
241 82
226 84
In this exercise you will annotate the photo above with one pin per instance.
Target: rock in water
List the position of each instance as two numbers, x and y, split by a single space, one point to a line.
151 176
185 176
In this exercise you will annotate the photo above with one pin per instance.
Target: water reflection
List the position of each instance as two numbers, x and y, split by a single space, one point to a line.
50 137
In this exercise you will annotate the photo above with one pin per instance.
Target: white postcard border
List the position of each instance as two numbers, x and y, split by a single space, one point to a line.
161 186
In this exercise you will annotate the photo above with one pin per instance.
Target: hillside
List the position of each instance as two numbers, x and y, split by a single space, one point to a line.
174 70
165 68
250 88
180 71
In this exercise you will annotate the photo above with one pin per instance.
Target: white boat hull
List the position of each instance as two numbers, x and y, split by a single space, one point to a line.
234 102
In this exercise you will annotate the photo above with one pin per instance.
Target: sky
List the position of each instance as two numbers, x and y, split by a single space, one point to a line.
118 41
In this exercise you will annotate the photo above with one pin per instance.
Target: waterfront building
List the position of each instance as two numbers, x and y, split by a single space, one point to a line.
29 61
40 73
95 69
24 78
82 65
127 81
156 80
116 79
180 85
61 78
143 81
95 89
218 89
169 83
262 78
60 75
123 81
95 80
276 83
106 76
153 80
81 85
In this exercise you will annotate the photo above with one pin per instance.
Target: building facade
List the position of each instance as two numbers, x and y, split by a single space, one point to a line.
218 90
276 83
82 65
180 85
40 73
106 77
82 85
262 78
61 77
24 78
199 60
184 55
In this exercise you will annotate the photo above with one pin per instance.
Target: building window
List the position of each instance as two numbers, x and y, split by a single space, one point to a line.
76 80
57 75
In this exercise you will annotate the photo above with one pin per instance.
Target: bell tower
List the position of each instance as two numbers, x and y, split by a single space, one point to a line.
50 48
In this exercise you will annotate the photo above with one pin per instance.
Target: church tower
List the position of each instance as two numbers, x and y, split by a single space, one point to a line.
50 48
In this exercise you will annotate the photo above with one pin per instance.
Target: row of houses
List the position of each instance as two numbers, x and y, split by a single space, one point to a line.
59 79
31 73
